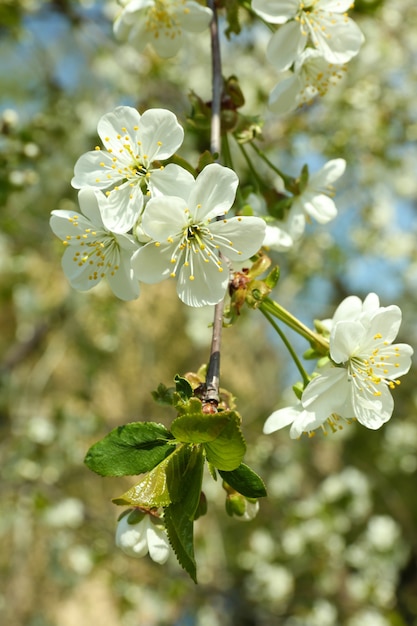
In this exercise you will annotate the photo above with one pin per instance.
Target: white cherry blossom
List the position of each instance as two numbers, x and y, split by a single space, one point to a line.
368 367
313 202
145 534
160 23
323 23
190 243
352 308
93 251
312 76
129 164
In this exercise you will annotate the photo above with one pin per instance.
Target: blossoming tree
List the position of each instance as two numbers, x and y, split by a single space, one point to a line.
146 219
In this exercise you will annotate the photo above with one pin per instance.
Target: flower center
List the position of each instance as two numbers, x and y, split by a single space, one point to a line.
317 78
197 244
161 17
129 162
368 372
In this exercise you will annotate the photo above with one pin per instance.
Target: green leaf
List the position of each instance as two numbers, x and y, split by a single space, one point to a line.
232 16
183 387
162 485
245 481
163 395
303 181
273 277
179 516
130 449
181 537
199 428
227 450
205 159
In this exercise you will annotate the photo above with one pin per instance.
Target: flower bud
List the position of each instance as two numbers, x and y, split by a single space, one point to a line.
139 532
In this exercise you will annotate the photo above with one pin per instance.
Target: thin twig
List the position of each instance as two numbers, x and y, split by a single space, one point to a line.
211 395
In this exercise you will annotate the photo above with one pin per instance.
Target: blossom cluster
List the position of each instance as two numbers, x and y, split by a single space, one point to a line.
356 383
314 202
314 41
144 221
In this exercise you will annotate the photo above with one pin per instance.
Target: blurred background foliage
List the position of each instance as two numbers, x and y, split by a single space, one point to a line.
336 541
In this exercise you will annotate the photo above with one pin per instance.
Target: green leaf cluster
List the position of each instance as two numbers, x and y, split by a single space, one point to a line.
172 461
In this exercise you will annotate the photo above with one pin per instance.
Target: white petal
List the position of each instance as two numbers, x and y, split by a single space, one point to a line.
131 538
89 172
168 42
335 6
193 17
160 134
215 190
277 238
245 234
296 222
396 361
133 28
386 321
284 97
285 45
321 208
371 303
79 274
121 208
328 174
62 226
152 263
349 309
326 393
171 180
88 199
346 340
165 217
281 418
132 6
112 124
276 12
123 282
158 544
339 39
306 422
372 411
208 286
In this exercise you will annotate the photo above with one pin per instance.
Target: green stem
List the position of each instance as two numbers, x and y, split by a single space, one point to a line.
276 310
253 171
304 375
228 160
288 180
